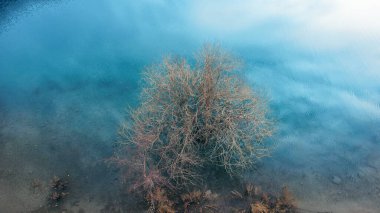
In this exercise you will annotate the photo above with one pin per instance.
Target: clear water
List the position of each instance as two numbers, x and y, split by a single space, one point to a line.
69 68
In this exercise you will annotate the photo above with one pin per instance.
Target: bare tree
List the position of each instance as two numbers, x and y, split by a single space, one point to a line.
191 117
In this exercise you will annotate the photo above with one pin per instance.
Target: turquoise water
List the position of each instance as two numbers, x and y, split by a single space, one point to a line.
69 69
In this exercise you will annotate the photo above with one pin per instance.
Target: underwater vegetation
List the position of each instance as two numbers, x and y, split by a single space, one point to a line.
253 199
249 198
193 118
58 191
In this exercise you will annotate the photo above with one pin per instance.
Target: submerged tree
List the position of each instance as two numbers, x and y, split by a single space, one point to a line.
191 118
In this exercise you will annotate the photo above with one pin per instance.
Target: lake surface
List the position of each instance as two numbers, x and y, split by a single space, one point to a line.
68 69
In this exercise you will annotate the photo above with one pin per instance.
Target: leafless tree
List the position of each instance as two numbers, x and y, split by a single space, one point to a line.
192 117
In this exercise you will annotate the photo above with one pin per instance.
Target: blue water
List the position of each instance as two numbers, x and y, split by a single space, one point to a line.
68 69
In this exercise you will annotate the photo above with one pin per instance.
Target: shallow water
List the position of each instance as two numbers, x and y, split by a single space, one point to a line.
68 69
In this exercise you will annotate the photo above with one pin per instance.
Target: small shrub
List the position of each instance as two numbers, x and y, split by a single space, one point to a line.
191 118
